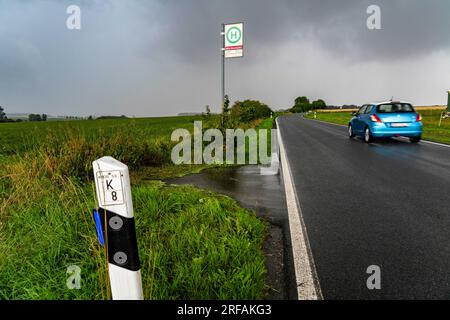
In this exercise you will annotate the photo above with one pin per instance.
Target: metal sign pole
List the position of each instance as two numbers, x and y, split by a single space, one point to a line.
223 67
112 183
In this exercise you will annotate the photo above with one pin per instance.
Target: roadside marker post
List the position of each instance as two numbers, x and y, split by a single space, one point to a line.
448 101
112 182
446 113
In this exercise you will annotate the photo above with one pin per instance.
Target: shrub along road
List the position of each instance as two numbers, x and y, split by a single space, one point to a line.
384 204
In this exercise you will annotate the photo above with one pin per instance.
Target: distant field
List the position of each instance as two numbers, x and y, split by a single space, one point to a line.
194 244
431 118
19 137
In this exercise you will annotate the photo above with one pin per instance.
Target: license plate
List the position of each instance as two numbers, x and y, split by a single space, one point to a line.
399 125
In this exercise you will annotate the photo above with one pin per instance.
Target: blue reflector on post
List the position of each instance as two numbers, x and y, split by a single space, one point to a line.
99 227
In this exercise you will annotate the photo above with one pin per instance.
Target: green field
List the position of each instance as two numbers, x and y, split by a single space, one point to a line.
19 137
432 131
193 244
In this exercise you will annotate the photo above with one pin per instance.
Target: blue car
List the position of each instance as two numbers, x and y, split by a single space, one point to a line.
386 120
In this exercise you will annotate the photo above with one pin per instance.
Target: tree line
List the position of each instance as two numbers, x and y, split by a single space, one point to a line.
37 117
31 117
302 104
3 117
250 110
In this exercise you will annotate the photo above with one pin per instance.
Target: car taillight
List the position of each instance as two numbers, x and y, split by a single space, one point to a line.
419 117
375 118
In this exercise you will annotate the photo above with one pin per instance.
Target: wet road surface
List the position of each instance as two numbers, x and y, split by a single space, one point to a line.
384 204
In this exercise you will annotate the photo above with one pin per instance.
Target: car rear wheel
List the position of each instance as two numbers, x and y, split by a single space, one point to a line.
350 132
367 135
415 139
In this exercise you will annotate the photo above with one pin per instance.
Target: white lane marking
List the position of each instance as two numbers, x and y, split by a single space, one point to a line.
436 143
334 124
422 141
307 288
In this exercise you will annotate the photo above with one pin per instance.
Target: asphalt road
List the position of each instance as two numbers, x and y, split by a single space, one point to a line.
384 204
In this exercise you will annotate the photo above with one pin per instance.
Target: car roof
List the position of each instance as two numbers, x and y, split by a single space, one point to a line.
386 102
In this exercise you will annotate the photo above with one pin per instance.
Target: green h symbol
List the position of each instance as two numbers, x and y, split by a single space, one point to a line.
234 35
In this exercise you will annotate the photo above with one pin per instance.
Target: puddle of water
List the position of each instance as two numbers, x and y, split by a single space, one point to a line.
262 194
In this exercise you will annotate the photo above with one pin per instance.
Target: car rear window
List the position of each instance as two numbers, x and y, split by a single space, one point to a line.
395 108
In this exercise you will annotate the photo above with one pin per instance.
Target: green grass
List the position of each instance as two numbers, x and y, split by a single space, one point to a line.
431 132
193 244
199 245
20 137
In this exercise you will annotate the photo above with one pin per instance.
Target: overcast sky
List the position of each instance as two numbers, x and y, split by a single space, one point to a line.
162 57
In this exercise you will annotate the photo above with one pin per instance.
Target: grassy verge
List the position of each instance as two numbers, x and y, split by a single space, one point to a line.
193 244
431 132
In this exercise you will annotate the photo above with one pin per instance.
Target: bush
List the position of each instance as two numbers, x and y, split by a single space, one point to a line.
319 104
250 110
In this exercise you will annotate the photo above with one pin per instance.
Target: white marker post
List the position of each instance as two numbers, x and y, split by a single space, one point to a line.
112 182
448 102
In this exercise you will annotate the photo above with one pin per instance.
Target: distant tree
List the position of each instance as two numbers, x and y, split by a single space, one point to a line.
3 117
301 100
226 105
318 104
225 120
34 117
111 117
90 118
301 104
250 110
44 117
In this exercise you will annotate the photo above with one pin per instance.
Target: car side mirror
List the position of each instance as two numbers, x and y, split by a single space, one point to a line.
354 114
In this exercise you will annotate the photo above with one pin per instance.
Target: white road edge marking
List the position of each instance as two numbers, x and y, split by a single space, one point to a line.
435 143
307 288
422 141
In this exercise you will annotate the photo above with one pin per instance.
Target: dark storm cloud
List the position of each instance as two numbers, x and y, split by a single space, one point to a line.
162 56
409 27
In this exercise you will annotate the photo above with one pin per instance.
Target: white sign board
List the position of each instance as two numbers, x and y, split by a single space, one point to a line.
111 190
112 181
234 40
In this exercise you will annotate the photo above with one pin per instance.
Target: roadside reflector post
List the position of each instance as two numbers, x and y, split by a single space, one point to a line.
448 101
112 182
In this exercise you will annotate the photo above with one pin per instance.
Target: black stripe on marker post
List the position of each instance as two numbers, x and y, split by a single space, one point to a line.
122 242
